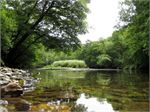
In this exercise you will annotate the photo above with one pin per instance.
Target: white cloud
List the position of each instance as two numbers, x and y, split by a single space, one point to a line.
101 20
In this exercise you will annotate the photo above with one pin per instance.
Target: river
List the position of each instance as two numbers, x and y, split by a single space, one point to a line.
85 91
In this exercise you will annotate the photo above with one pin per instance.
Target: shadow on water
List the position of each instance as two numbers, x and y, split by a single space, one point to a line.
85 91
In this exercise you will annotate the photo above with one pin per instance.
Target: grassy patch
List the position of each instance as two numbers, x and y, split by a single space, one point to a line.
68 64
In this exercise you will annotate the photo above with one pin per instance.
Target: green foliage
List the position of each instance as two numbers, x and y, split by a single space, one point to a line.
45 56
128 46
89 52
103 59
101 54
70 63
136 35
8 26
52 23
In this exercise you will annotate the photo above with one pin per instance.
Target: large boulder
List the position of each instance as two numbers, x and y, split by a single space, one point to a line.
12 89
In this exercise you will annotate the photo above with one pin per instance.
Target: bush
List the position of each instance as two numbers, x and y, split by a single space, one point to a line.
70 63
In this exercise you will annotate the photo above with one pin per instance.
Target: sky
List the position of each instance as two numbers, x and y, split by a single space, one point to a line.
101 19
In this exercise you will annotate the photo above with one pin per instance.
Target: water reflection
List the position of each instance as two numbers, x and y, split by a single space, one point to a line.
93 105
103 92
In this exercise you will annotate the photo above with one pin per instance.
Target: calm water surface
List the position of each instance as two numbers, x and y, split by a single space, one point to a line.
85 91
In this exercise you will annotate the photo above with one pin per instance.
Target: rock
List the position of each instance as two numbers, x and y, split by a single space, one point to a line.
12 89
15 81
8 74
27 74
16 77
4 79
3 109
28 82
23 72
1 75
22 105
30 89
65 95
3 102
3 82
12 80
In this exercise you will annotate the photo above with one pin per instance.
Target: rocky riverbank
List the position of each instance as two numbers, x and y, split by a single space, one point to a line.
14 82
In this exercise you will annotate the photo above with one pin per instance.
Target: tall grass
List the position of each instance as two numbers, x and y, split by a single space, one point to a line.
70 63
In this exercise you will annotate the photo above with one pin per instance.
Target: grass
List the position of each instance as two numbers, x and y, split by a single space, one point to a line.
67 64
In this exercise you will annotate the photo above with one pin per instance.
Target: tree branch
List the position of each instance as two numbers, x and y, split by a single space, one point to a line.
26 35
20 29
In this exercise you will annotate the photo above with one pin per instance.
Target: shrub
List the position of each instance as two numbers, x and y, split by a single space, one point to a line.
70 63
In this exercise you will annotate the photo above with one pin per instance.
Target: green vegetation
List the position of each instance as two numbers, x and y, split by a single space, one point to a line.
70 63
26 26
38 33
128 46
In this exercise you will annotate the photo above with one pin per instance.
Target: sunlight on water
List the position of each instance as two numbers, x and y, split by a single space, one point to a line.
93 105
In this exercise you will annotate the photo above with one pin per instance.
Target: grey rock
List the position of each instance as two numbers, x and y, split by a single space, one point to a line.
4 79
3 102
16 77
9 74
3 109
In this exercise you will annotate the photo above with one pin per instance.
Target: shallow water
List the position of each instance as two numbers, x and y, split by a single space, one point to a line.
85 91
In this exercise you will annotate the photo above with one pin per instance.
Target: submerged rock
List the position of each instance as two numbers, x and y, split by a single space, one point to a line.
50 108
22 105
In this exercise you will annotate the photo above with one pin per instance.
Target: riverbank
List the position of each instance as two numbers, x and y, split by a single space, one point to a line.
14 83
77 69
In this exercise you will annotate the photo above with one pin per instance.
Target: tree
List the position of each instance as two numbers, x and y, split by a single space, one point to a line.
54 23
136 33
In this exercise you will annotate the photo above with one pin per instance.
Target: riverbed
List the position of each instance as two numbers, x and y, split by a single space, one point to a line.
84 91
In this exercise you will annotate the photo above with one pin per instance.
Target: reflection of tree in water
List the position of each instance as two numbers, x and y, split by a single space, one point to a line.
127 80
96 78
89 79
120 89
79 108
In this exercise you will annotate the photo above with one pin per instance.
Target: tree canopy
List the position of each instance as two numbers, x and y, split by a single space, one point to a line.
53 23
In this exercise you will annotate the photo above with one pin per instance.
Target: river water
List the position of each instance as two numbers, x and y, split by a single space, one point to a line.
85 91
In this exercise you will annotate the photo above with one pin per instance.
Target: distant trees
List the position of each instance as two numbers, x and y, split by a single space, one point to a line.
103 54
52 23
128 46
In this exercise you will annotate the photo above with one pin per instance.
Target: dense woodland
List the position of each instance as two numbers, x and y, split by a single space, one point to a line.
36 33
